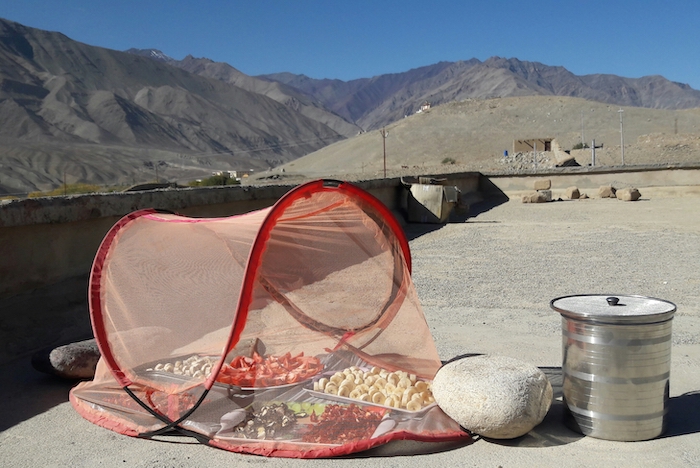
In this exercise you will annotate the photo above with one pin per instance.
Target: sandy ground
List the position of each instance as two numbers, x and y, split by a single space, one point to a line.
485 285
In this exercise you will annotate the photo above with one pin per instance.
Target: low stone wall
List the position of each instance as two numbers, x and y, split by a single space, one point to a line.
47 245
588 179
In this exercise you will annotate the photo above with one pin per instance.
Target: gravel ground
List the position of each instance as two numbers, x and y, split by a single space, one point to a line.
512 260
485 286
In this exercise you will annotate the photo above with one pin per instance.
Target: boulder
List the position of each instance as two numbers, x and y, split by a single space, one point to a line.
543 184
572 193
73 361
583 196
494 396
541 196
606 191
628 194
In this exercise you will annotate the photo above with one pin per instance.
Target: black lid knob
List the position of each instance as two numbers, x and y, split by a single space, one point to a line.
612 300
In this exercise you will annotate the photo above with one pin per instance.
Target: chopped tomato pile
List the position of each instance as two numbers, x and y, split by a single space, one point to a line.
339 424
269 371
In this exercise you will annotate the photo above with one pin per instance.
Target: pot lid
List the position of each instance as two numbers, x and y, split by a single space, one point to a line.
614 308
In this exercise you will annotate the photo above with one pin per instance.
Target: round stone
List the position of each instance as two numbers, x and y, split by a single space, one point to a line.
72 361
494 396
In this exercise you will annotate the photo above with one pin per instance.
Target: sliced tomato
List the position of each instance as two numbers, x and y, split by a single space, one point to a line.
291 378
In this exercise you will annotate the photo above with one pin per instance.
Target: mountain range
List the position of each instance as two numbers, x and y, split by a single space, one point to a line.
378 101
71 112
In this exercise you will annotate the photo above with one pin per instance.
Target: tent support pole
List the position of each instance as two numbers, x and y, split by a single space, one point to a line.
171 425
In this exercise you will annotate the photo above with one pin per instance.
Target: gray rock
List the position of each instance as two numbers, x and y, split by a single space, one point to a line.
493 396
72 361
628 194
573 193
541 196
606 191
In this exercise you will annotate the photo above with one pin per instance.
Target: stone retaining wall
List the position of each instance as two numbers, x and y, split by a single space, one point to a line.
47 245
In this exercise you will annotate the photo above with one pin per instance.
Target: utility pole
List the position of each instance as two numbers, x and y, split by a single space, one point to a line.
622 138
583 142
384 134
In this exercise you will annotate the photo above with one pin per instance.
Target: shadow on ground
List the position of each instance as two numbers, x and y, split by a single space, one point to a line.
683 415
551 432
683 418
415 230
26 392
399 448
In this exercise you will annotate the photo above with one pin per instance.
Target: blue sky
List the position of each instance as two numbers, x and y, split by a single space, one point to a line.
361 39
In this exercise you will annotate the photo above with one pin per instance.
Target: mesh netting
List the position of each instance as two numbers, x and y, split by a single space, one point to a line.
290 331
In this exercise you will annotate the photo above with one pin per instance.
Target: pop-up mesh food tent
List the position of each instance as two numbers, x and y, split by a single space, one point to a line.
290 331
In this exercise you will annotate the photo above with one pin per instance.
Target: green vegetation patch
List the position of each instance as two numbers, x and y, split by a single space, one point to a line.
214 181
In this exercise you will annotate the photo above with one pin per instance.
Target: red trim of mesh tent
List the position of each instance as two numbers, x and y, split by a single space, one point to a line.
283 450
94 287
268 224
253 263
372 206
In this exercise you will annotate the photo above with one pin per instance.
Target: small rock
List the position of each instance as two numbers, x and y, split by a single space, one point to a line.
543 184
572 193
606 191
72 361
493 396
547 195
583 196
628 194
541 196
533 197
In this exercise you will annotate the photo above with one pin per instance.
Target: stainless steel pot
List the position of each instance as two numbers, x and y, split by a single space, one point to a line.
616 364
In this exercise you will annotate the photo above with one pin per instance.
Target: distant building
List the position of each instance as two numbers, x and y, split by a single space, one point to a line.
562 158
424 107
532 144
230 174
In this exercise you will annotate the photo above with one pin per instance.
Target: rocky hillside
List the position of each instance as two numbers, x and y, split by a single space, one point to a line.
472 135
74 112
381 100
287 95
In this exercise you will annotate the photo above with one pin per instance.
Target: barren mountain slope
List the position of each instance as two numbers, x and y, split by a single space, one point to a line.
25 166
475 134
287 95
378 101
55 92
